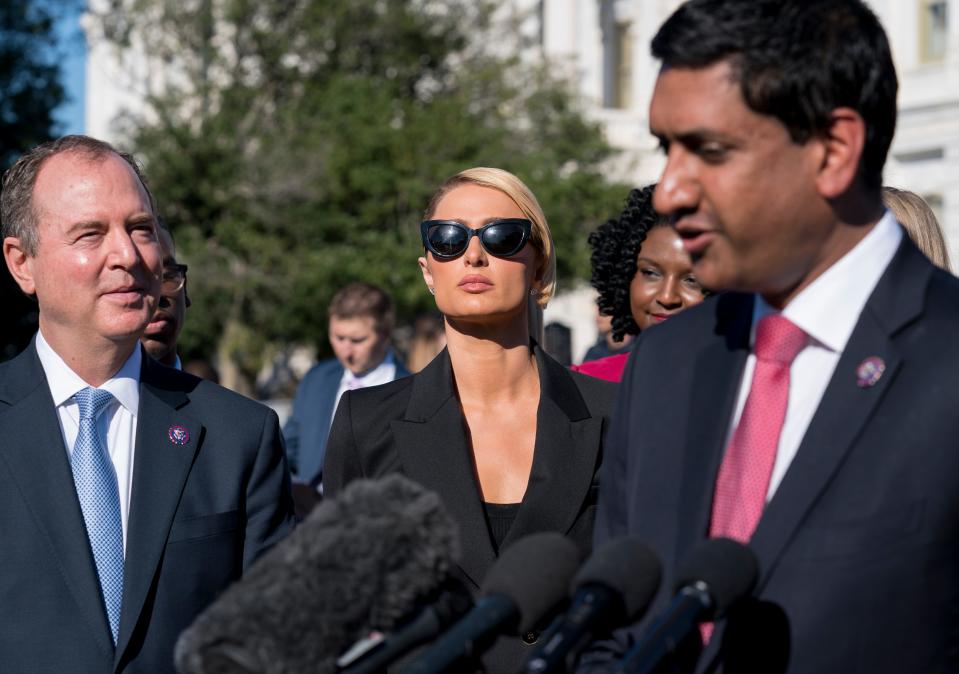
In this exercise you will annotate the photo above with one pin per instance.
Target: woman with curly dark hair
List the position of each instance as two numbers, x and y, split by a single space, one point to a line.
642 273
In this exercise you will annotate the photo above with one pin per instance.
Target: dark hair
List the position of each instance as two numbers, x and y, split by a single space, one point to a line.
795 60
17 213
616 245
359 300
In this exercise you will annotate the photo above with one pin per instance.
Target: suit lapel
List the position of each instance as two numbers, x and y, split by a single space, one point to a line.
718 371
161 466
33 451
564 458
431 443
845 407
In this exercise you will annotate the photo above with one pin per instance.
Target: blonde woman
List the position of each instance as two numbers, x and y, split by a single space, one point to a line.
920 224
509 438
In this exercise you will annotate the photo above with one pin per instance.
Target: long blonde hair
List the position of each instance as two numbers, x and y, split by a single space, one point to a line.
920 223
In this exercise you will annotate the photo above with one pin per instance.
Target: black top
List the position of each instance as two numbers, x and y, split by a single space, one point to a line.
499 518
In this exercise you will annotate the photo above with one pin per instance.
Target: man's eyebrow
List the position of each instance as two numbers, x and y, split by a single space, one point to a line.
695 136
85 224
141 218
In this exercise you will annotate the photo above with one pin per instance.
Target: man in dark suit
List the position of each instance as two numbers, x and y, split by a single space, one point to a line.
162 332
809 412
361 322
130 494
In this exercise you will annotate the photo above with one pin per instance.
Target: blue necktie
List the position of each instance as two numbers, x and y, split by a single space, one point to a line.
96 483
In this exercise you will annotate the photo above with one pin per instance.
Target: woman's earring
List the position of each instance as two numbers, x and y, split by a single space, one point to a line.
432 291
534 292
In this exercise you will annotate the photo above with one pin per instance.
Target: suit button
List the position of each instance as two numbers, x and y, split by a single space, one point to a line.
530 638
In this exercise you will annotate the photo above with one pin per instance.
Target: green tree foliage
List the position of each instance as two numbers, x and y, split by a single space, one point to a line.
30 90
298 141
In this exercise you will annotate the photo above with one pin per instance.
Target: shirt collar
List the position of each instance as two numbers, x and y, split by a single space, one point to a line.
64 383
829 308
387 361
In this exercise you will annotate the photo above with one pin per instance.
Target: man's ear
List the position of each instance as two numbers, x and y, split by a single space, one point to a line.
20 264
186 295
843 144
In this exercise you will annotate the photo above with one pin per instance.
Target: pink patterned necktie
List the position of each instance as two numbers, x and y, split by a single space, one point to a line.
743 479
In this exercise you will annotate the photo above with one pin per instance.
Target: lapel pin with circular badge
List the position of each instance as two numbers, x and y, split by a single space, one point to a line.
870 371
178 435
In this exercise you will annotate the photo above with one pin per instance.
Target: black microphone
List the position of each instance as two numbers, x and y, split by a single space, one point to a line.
718 573
614 587
358 563
525 584
373 654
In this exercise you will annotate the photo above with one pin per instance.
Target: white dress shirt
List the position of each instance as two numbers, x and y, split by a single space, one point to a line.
827 311
117 423
383 373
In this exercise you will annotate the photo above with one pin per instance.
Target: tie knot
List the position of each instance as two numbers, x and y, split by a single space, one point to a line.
91 401
778 339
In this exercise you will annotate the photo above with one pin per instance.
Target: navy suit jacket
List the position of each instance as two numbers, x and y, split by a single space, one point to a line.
200 513
308 427
859 546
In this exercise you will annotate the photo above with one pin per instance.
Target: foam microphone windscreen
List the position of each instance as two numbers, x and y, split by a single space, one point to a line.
360 562
534 573
628 566
728 569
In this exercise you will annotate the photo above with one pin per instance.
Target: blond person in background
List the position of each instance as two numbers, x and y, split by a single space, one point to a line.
920 223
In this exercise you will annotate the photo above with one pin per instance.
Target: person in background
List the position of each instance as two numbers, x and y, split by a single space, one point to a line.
427 341
642 274
202 368
509 438
361 321
920 223
606 345
161 334
131 494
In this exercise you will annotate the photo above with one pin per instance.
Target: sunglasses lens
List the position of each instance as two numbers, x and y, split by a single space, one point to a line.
504 239
447 240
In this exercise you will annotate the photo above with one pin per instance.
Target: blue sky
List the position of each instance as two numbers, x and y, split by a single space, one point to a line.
70 115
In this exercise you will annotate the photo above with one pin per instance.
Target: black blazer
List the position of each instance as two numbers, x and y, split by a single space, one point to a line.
859 546
415 426
307 428
200 513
